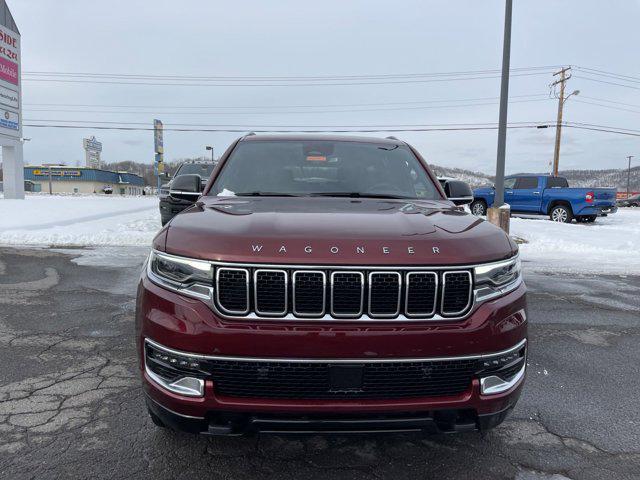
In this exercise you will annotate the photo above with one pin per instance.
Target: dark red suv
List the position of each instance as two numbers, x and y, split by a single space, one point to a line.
327 284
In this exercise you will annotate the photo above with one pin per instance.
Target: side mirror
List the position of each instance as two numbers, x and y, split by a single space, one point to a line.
458 192
186 187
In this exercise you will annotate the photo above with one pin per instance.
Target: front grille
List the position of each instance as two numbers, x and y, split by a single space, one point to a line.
313 381
232 292
309 293
384 294
270 289
456 292
343 294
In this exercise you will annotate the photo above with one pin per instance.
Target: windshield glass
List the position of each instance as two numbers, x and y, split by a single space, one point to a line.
202 169
324 168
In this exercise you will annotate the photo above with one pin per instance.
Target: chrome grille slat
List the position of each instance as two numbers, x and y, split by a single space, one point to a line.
385 291
270 291
325 293
233 296
309 293
343 291
454 297
421 289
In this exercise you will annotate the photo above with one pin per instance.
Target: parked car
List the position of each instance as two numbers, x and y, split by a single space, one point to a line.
548 195
632 201
172 205
327 283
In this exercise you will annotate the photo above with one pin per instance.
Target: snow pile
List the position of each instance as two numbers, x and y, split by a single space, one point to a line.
610 245
79 220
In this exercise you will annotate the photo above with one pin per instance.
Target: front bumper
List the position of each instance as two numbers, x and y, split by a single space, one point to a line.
188 325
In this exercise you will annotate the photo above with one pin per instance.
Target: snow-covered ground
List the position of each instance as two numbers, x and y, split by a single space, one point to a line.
89 220
610 245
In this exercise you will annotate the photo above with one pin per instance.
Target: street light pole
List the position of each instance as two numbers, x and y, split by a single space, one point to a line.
497 214
629 174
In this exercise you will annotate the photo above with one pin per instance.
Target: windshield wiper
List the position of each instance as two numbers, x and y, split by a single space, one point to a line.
265 194
357 195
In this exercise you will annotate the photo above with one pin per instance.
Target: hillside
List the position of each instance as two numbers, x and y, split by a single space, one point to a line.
577 178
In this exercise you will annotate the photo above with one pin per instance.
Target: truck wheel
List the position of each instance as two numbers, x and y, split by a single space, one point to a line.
562 214
478 208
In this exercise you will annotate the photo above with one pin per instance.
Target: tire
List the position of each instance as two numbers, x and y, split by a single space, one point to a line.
590 218
561 213
478 208
156 420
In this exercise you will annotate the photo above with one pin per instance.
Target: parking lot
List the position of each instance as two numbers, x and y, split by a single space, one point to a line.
71 405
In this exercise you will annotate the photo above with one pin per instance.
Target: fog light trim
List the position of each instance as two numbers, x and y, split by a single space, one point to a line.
187 386
493 384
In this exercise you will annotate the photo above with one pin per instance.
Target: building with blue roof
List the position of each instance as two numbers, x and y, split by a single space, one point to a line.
81 180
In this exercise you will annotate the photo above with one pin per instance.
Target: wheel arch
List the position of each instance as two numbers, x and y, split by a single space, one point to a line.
555 203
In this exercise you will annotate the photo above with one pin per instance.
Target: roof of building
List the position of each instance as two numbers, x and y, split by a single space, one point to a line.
69 174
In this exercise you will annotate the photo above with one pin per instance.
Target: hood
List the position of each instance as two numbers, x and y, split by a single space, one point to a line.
334 231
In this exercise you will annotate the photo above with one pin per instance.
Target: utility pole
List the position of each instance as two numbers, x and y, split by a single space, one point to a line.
561 100
629 174
498 214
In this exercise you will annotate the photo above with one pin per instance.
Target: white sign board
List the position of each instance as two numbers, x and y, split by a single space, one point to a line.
10 104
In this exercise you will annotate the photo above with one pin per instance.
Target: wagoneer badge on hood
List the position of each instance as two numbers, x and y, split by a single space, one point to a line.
360 250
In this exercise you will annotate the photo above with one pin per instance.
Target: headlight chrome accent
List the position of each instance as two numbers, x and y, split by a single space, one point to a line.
188 276
496 279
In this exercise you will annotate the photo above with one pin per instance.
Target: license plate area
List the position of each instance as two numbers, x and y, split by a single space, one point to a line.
347 378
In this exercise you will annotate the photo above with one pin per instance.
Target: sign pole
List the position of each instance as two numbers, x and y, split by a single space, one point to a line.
499 214
158 147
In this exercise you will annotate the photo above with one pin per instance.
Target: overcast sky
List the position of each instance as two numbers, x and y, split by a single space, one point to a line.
332 37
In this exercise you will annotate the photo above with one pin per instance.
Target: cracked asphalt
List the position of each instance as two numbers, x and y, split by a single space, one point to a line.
71 405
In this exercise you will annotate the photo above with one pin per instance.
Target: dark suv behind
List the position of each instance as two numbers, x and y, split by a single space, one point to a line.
170 206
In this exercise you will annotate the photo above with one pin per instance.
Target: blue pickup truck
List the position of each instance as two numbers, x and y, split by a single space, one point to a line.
548 195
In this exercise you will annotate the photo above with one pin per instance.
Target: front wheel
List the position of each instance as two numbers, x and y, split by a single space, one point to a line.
561 214
478 208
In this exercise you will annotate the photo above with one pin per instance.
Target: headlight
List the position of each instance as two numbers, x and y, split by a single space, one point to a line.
498 278
183 275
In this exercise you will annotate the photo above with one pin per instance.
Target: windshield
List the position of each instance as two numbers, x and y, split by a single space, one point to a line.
202 169
324 168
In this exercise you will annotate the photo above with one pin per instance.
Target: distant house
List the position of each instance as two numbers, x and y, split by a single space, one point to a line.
81 180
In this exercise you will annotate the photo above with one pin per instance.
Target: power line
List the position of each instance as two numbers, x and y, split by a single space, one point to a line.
244 130
257 78
355 129
608 83
351 110
413 102
604 73
610 101
253 126
608 106
254 85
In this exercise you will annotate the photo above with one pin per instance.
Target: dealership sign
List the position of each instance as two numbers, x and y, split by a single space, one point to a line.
10 121
158 141
57 173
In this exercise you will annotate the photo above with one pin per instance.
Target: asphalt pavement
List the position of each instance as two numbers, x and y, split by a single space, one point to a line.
71 404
